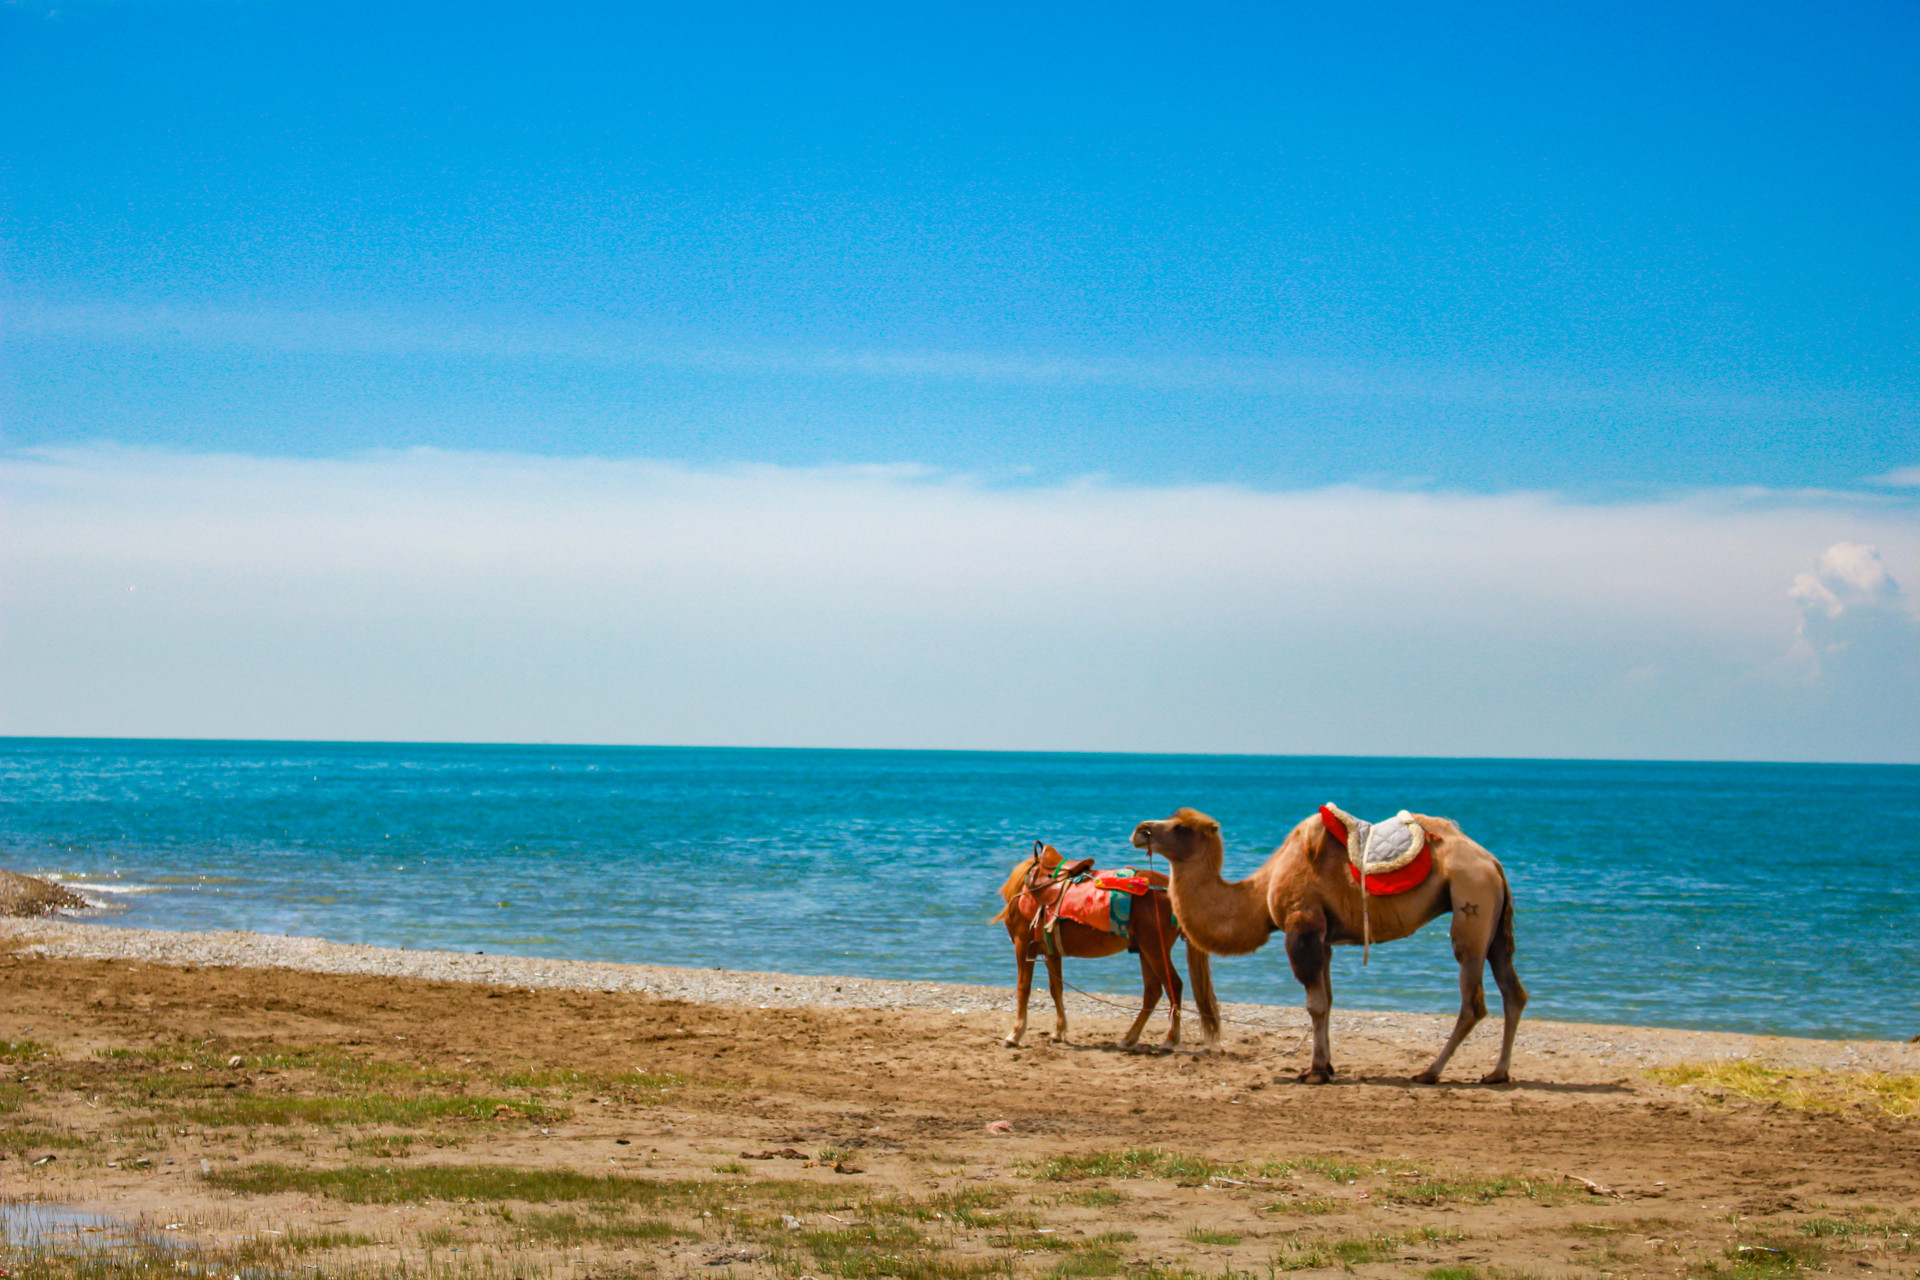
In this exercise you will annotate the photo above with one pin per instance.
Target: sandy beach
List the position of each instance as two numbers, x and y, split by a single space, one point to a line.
222 1083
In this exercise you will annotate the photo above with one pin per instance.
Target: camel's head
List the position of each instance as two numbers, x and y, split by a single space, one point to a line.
1188 834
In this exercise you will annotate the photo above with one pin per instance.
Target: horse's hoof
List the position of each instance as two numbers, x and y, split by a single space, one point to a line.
1427 1077
1315 1076
1010 1043
1495 1077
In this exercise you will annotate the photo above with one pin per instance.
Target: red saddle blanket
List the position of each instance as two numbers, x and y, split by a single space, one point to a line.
1407 877
1090 900
1089 904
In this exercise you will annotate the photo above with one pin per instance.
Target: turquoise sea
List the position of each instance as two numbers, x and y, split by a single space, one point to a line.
1745 897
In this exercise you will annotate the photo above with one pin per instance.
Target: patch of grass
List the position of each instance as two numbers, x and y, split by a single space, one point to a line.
1301 1255
252 1110
21 1050
1309 1205
1433 1188
1203 1235
731 1166
1452 1273
378 1184
1095 1198
1891 1229
631 1085
971 1207
1154 1271
1140 1162
1096 1261
570 1230
385 1146
1035 1241
22 1139
886 1249
1894 1093
1353 1251
268 1249
1767 1260
500 1184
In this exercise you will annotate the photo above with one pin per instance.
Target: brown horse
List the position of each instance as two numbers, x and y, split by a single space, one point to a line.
1035 885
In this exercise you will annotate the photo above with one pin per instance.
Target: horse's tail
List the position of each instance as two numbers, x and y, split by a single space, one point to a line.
1200 977
1046 855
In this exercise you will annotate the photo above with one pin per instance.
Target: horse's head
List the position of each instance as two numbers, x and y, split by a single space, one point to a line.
1188 834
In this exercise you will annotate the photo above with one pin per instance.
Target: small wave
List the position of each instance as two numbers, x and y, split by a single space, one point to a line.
102 893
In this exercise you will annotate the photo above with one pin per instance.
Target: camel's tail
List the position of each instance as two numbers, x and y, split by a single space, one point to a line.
1500 949
1046 855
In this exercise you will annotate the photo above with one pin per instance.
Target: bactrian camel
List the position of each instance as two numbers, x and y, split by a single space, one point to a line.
1307 891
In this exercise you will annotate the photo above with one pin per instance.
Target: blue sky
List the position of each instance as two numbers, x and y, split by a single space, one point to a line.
1632 266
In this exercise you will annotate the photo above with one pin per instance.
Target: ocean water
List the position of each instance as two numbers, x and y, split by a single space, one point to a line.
1745 897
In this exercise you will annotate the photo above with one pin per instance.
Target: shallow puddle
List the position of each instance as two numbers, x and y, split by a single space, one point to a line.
29 1225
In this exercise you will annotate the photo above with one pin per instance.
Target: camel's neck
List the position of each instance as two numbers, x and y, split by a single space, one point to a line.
1225 919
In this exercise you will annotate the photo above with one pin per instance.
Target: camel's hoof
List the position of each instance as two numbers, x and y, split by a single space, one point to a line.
1010 1043
1495 1077
1427 1077
1315 1076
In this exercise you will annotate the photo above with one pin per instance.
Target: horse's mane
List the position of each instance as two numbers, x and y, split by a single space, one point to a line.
1048 858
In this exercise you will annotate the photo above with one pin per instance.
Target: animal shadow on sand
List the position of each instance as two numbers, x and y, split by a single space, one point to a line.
1477 1086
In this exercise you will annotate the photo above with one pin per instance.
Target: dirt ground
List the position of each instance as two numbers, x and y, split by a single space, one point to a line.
871 1143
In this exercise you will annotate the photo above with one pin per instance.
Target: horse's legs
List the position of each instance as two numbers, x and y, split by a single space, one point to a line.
1057 988
1149 997
1023 988
1312 959
1163 958
1513 996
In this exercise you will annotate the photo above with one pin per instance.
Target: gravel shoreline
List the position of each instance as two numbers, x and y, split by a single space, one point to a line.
1627 1047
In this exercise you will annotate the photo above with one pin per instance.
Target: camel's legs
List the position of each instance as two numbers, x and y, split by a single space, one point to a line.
1023 988
1513 996
1200 972
1474 924
1312 960
1057 989
1473 1007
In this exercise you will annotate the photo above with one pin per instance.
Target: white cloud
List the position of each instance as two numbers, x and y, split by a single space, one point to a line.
1901 478
1850 602
431 595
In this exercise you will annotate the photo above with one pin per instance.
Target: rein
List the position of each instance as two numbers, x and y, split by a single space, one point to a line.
1039 924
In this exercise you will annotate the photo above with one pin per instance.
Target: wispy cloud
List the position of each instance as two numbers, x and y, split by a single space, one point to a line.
1371 379
464 596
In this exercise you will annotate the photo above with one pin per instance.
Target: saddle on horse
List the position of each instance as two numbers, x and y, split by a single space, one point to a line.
1074 891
